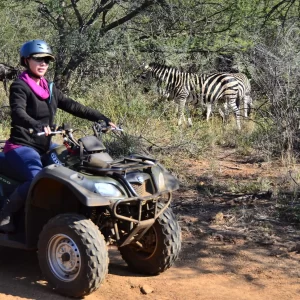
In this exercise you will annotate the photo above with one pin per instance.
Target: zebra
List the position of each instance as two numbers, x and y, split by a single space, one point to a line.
185 87
247 99
244 96
7 73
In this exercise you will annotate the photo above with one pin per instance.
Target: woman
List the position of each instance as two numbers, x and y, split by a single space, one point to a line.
31 108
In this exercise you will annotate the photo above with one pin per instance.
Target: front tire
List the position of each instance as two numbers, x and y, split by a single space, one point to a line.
73 255
158 249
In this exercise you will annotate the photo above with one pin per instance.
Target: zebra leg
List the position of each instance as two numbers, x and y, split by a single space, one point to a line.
224 114
208 111
247 105
181 106
232 103
189 120
5 86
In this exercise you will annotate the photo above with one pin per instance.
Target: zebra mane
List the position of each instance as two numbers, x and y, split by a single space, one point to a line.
156 69
159 66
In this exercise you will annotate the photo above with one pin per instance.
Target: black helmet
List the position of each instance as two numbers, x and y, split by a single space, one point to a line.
35 48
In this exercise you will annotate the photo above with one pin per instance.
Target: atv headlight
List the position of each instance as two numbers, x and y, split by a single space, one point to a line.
108 190
161 182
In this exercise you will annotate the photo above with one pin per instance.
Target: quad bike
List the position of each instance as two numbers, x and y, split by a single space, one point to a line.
82 201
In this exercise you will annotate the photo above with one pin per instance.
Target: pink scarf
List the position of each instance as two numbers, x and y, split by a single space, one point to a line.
42 90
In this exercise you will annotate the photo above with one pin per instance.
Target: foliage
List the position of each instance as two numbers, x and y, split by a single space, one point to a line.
275 68
92 35
101 44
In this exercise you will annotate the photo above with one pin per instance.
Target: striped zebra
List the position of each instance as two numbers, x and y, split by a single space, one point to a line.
246 95
185 87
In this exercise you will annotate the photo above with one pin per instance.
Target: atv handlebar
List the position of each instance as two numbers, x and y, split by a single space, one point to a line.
63 131
52 132
66 129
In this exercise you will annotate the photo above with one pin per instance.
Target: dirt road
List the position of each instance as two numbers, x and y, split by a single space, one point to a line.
204 271
232 249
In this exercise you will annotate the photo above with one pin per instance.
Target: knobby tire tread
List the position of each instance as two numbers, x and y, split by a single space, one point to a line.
93 241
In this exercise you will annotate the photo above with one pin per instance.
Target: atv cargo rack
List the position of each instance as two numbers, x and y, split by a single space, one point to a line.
127 164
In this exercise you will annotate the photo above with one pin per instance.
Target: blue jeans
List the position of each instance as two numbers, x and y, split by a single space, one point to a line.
25 163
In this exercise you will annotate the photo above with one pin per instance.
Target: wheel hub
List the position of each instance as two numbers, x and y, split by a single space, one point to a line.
64 257
147 244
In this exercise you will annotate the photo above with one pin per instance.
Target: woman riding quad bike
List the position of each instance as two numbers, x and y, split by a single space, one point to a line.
81 201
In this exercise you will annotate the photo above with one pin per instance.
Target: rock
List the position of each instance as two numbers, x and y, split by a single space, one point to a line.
199 231
295 248
218 237
219 218
146 289
277 251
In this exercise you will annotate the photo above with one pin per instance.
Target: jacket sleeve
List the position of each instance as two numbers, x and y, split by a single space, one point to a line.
18 101
79 110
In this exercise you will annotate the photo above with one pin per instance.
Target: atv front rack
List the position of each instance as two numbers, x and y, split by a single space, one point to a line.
138 226
148 204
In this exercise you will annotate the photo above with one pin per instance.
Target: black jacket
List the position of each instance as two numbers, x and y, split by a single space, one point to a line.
29 112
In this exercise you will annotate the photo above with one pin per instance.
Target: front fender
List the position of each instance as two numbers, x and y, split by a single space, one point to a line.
56 190
71 179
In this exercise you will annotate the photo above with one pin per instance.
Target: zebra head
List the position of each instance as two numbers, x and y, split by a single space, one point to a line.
145 71
146 74
157 74
157 71
144 77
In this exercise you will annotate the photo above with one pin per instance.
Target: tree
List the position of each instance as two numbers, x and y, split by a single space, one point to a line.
276 69
81 26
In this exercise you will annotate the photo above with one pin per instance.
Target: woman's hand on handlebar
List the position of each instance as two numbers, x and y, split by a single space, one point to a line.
112 125
47 130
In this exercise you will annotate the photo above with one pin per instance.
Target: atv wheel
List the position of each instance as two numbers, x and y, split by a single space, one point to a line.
73 255
158 249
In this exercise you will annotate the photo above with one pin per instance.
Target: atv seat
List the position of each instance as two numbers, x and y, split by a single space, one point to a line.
92 144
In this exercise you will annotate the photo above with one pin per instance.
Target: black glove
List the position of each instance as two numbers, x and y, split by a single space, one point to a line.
66 126
102 126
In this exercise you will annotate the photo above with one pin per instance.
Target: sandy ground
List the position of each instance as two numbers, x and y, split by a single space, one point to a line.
226 254
214 271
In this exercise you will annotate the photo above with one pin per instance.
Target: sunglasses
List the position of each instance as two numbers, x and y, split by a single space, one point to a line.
42 59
